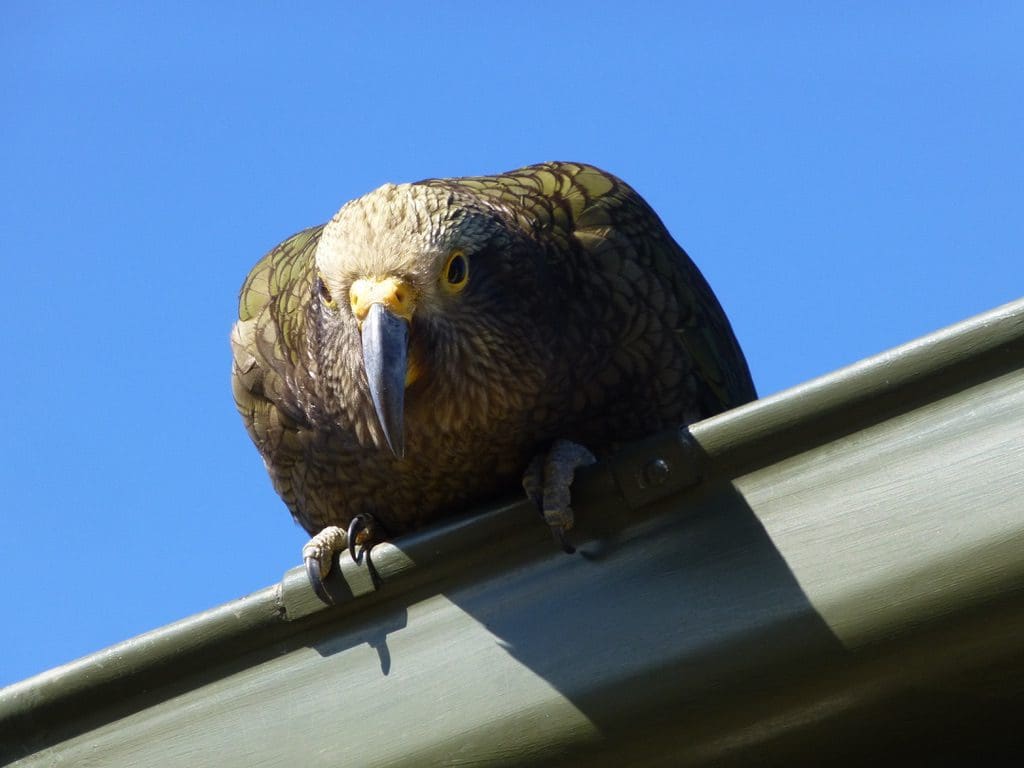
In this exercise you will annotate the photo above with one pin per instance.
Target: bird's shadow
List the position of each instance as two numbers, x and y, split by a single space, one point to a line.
373 627
683 603
683 600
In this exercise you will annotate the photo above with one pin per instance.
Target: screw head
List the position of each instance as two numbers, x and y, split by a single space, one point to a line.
656 472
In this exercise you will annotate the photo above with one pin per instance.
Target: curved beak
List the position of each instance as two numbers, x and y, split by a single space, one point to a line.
385 348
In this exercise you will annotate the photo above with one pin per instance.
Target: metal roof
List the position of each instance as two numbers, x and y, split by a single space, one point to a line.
831 573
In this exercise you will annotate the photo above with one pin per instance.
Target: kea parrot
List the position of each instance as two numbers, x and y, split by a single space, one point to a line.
438 342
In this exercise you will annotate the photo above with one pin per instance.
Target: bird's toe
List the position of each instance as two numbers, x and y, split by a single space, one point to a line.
548 480
316 580
318 554
362 531
562 539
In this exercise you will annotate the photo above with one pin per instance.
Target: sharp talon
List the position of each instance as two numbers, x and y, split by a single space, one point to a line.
316 582
558 532
355 525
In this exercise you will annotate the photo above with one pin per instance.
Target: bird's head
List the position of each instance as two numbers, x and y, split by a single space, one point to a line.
425 288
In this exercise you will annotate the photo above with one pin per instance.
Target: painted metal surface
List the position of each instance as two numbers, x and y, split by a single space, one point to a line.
822 576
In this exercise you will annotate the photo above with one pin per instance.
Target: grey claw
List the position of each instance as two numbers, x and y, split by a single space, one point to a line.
316 581
562 540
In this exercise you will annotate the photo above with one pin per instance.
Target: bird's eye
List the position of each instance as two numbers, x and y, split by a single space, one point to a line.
325 292
456 271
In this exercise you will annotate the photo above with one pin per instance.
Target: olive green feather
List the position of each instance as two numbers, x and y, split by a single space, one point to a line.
581 319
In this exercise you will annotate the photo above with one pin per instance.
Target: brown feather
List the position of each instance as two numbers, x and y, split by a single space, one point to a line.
582 319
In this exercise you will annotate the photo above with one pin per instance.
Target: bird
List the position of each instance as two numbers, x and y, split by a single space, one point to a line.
439 342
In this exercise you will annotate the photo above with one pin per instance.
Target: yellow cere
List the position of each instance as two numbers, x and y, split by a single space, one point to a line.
397 295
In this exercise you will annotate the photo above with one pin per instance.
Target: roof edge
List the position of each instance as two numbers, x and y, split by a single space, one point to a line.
761 432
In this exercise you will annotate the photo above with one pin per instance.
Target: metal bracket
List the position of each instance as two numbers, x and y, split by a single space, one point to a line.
658 467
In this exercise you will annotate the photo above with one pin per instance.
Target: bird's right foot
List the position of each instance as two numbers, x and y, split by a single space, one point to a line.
320 550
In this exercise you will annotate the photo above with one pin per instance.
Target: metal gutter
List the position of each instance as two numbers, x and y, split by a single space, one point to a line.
760 583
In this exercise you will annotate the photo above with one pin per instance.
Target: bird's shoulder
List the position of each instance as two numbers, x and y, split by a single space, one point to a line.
580 213
617 260
548 195
281 281
268 340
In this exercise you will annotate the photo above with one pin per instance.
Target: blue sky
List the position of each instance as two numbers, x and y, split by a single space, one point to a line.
848 178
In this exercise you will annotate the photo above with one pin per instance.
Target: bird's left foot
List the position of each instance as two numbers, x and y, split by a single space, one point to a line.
547 483
319 551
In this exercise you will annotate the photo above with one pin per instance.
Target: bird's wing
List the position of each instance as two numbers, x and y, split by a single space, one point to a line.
617 230
271 376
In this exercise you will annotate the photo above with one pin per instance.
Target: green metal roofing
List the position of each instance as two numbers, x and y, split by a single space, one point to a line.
830 574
